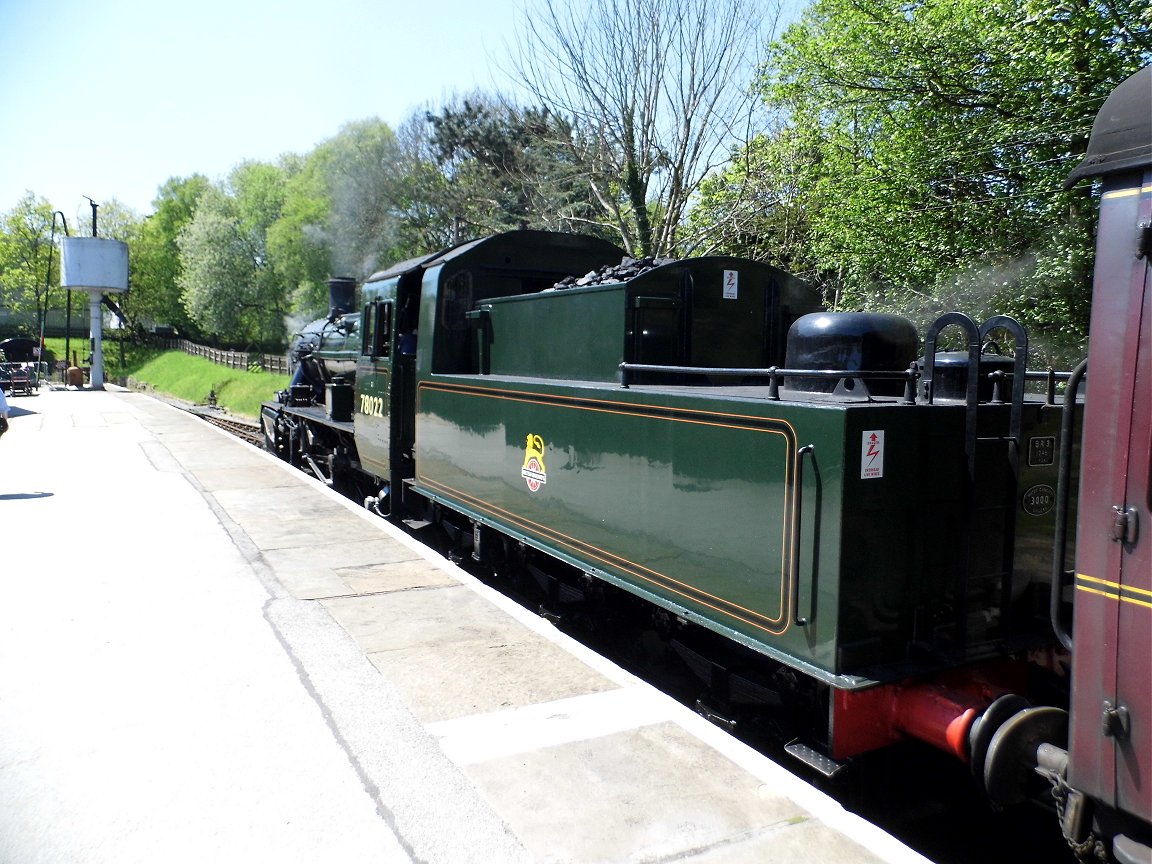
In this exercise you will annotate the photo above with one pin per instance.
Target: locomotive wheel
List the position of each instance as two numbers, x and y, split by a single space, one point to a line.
1012 751
987 724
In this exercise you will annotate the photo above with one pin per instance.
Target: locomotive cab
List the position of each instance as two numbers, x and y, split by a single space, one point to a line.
385 371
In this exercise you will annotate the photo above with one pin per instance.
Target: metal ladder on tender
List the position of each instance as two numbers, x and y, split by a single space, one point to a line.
988 452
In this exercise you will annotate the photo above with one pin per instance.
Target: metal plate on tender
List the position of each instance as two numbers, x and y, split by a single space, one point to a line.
1041 450
1038 500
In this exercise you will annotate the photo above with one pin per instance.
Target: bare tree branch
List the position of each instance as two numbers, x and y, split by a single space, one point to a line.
657 92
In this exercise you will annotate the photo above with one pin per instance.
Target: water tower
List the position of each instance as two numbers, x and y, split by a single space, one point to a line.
95 265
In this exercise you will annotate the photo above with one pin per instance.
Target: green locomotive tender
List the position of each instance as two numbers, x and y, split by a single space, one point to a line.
704 436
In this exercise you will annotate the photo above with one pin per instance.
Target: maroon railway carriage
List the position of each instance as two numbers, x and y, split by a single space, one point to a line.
1110 737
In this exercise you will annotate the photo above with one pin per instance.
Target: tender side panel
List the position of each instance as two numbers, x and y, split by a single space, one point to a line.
512 340
692 507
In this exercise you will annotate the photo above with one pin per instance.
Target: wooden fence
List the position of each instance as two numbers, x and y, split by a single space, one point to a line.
253 362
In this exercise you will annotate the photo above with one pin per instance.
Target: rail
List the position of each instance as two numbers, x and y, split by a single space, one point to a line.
246 430
775 376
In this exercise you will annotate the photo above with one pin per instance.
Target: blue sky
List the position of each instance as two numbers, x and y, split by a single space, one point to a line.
110 98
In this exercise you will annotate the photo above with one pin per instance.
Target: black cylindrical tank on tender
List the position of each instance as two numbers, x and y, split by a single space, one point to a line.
851 341
951 375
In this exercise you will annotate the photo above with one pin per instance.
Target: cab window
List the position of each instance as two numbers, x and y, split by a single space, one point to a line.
377 329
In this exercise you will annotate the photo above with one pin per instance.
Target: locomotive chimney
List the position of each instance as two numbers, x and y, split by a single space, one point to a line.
341 296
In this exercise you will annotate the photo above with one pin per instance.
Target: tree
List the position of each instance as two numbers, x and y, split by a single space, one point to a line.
364 169
426 206
504 167
230 286
341 214
299 240
757 206
654 92
941 131
155 295
25 235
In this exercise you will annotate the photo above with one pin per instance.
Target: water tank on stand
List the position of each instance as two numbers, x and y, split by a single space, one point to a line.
95 265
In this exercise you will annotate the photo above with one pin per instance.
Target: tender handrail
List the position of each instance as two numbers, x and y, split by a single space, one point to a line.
774 374
794 563
1063 480
1019 370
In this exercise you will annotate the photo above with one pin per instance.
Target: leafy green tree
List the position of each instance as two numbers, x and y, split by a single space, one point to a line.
426 204
758 205
25 234
155 295
938 134
364 169
299 240
341 213
505 167
230 286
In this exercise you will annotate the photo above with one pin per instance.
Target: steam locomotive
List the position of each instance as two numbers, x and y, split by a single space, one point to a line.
827 515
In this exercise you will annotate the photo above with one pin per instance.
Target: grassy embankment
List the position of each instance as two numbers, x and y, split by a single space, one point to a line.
192 379
189 379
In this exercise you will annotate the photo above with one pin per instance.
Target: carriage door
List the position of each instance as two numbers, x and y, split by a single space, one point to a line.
1133 536
1112 631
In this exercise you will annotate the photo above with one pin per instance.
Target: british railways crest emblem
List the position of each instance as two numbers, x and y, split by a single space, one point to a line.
534 472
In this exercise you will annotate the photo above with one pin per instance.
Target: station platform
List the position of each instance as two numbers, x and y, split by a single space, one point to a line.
207 656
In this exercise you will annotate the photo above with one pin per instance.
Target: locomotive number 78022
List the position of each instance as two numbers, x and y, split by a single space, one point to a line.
373 406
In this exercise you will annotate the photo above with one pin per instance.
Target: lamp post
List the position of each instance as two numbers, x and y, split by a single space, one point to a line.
48 284
91 312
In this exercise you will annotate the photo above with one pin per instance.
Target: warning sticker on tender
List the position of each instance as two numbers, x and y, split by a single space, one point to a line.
731 284
872 454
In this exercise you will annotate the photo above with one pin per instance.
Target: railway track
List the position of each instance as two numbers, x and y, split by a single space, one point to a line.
246 430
